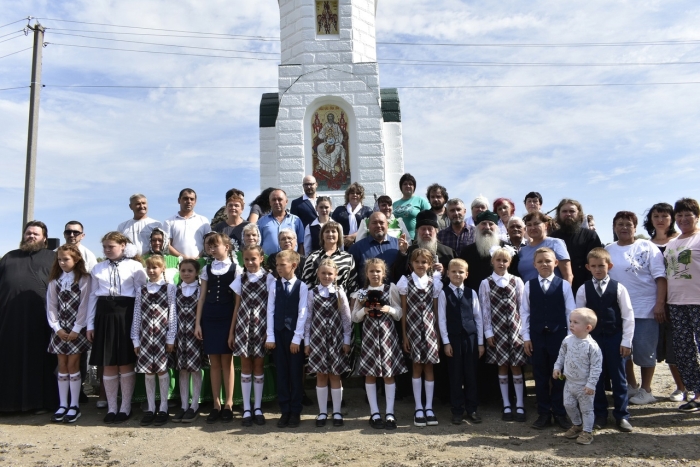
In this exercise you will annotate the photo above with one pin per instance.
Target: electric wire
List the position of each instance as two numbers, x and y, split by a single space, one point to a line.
162 53
13 53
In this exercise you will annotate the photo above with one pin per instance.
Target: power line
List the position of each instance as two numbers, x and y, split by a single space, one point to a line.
18 87
12 38
28 48
18 21
401 62
164 45
564 44
163 53
165 30
235 38
11 33
153 87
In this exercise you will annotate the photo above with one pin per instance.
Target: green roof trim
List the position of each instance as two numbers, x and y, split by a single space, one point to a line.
391 107
269 107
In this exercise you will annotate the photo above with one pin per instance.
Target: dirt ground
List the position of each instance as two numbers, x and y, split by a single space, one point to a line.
662 436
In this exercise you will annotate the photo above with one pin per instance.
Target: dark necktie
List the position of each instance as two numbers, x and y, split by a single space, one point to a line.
286 288
459 293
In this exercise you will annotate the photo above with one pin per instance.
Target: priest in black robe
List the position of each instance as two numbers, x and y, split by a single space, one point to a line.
478 255
27 369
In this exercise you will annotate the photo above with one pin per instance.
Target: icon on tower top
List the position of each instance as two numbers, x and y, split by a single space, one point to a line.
326 17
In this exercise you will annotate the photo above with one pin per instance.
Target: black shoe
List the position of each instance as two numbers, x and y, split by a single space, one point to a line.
283 422
214 415
259 417
624 426
321 420
147 418
600 422
294 420
692 406
507 416
338 421
306 401
543 420
419 421
375 421
247 419
563 422
190 415
72 418
109 418
430 418
178 415
122 417
473 417
457 419
226 415
161 418
389 422
60 414
520 414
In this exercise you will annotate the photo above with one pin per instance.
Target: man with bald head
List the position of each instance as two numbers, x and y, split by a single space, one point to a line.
278 219
378 244
304 207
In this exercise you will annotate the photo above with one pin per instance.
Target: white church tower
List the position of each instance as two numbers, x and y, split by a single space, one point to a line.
330 118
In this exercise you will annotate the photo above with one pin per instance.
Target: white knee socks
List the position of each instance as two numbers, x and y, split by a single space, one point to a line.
111 384
322 395
127 382
63 387
151 392
390 390
164 383
503 384
196 389
519 384
417 393
75 384
337 396
372 397
258 384
246 386
429 390
185 389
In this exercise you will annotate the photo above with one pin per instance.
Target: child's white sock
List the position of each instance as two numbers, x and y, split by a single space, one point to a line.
246 386
151 392
127 382
63 387
322 396
417 392
519 390
372 397
185 389
164 383
75 384
429 390
196 389
503 384
390 390
337 396
258 383
111 384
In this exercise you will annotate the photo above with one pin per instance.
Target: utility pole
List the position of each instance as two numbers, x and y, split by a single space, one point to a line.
32 134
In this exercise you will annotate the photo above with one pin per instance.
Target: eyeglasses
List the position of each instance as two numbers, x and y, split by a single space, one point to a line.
72 233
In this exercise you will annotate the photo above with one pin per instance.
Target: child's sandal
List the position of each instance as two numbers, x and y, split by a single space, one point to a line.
247 419
60 414
389 421
321 422
507 416
520 414
419 421
375 421
338 421
259 417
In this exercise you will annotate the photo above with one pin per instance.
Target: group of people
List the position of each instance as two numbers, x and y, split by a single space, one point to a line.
417 286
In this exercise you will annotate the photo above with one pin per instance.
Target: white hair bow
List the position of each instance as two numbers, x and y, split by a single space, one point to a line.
509 249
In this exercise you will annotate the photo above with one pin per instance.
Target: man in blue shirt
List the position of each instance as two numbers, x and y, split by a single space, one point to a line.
278 219
378 244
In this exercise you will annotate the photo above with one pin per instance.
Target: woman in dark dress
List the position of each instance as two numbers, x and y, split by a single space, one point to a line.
351 214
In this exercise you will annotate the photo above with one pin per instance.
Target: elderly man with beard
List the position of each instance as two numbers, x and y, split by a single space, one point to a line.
478 255
458 234
426 237
28 381
579 240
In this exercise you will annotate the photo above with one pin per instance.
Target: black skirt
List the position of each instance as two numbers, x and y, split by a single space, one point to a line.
112 345
216 323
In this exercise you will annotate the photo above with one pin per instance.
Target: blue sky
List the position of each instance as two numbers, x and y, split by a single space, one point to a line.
611 147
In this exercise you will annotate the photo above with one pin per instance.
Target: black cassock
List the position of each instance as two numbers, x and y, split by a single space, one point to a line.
27 369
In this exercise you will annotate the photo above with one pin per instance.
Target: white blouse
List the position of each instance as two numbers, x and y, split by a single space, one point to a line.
219 268
153 287
123 279
421 283
358 310
252 277
344 312
66 282
189 289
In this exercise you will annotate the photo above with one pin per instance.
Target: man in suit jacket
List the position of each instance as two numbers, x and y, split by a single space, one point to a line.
305 206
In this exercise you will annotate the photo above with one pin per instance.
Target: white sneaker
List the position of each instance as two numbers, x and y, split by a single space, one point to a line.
632 390
690 396
677 396
642 398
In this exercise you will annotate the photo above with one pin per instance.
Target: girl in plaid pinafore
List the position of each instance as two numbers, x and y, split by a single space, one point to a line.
248 331
499 297
419 293
66 309
153 332
380 355
327 334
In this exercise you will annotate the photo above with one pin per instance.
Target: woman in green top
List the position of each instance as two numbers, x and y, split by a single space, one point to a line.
408 207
